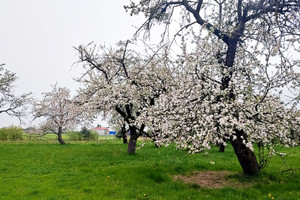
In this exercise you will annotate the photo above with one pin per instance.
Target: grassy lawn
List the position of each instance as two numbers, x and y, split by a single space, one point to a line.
103 170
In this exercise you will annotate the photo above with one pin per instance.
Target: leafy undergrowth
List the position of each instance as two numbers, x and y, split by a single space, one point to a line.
104 170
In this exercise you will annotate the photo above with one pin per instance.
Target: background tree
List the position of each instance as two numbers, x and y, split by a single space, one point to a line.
59 110
243 53
123 81
11 104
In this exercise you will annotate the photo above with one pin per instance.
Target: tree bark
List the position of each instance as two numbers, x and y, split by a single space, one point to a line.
125 141
245 156
132 140
221 148
59 137
124 134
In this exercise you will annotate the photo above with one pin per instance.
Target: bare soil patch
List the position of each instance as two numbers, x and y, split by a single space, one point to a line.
211 179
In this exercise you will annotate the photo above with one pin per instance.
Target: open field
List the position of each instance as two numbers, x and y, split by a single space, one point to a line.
103 170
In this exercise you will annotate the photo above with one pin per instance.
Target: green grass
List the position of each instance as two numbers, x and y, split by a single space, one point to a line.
51 137
103 170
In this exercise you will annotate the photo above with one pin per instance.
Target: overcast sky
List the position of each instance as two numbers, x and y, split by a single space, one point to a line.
37 39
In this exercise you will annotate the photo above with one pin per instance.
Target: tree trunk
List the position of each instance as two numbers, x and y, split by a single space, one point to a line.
132 140
154 140
260 144
124 134
125 141
61 141
221 148
245 156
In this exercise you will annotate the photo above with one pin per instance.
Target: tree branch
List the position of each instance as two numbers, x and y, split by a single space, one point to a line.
199 5
272 8
240 10
217 32
123 59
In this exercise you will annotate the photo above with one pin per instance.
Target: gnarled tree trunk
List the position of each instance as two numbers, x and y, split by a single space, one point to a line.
132 140
59 137
245 156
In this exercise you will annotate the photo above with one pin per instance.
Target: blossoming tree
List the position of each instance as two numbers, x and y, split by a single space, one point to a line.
240 57
11 104
60 111
122 81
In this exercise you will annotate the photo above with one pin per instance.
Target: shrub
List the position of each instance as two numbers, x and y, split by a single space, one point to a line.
88 134
11 133
83 135
93 135
75 136
3 134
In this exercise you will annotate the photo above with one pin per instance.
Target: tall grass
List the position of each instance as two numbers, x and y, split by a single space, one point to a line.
103 170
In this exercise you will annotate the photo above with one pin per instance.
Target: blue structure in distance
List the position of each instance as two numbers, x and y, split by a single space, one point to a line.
112 132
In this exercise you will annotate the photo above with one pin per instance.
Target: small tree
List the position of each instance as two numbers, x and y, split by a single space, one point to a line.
60 111
9 103
85 132
88 134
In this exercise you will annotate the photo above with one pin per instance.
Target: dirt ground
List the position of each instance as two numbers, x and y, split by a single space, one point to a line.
210 179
